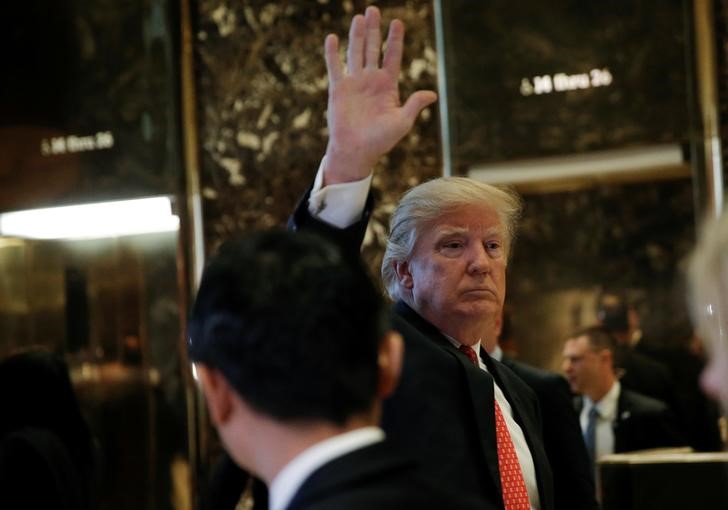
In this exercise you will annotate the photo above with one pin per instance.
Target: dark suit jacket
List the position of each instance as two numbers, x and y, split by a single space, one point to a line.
646 376
37 470
376 478
642 423
442 412
697 415
562 437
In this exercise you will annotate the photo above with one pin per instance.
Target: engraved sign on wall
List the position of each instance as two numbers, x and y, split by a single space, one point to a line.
88 101
564 77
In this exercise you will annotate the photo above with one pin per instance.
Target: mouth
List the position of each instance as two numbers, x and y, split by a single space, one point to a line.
481 292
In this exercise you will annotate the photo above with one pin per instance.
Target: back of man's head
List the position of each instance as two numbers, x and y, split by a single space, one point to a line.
613 312
292 325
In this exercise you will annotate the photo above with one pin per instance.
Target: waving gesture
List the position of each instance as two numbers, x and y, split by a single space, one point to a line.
365 116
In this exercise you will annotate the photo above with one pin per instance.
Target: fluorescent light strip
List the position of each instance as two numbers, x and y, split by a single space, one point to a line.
88 221
618 161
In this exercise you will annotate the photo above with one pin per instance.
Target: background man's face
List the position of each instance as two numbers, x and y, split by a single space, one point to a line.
458 267
581 364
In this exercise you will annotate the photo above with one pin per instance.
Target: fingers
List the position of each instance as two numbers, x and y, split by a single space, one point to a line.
418 102
373 40
331 55
393 54
355 51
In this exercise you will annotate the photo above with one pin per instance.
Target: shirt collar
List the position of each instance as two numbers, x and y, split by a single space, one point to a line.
287 482
607 406
476 347
497 353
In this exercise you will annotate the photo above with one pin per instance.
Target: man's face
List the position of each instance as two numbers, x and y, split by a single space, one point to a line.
581 364
457 271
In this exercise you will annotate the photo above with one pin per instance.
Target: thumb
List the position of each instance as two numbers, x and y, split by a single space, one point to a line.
417 102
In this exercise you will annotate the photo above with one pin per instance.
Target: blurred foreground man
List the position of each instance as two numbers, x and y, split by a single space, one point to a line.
708 279
473 424
292 349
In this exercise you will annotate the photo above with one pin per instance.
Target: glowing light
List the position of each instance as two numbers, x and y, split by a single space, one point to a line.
87 221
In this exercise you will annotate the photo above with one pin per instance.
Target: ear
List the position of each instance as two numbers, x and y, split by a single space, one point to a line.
391 351
404 277
218 394
607 357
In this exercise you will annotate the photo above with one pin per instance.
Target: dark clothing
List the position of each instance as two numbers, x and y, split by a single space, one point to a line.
641 423
38 471
376 478
646 376
562 437
697 415
226 484
442 411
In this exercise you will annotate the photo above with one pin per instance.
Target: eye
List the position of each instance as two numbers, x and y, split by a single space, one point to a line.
494 247
452 247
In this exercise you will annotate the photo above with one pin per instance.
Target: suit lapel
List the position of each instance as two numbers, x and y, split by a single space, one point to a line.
624 413
479 384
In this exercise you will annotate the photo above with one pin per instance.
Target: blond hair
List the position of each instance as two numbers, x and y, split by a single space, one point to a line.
430 200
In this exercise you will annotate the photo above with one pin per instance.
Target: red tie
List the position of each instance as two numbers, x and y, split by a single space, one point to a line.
515 495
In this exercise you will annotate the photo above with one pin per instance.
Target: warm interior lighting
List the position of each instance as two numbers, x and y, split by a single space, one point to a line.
602 163
103 219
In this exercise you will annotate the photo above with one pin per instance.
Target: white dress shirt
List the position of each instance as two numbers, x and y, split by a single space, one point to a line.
519 439
287 482
607 408
340 205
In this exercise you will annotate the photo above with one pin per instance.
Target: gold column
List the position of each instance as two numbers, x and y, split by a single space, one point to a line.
705 58
192 244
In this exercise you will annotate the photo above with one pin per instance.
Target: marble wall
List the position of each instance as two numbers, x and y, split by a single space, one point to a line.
262 84
262 91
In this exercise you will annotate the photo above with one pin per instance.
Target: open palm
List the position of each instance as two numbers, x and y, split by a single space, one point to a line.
365 116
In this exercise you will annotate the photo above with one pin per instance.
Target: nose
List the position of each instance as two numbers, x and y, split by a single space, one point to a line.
480 262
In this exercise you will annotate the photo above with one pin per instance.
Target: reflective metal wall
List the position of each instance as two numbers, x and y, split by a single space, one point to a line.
111 308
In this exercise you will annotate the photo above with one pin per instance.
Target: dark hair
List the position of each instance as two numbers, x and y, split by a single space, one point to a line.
613 312
292 325
599 338
36 391
47 451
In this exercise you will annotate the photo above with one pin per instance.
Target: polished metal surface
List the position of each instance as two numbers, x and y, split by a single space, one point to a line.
705 63
110 307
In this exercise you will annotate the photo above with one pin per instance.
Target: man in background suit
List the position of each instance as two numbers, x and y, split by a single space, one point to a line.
613 419
293 351
445 268
665 367
640 373
562 437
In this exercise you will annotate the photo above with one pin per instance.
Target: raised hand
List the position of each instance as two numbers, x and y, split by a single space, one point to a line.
365 116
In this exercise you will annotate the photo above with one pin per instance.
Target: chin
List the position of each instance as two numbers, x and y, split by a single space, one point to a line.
481 309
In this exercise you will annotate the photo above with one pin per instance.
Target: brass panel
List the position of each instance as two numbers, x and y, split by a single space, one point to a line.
111 308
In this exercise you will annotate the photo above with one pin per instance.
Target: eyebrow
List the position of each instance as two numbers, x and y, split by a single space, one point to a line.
449 231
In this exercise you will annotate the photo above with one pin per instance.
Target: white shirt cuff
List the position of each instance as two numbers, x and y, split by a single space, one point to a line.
340 205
